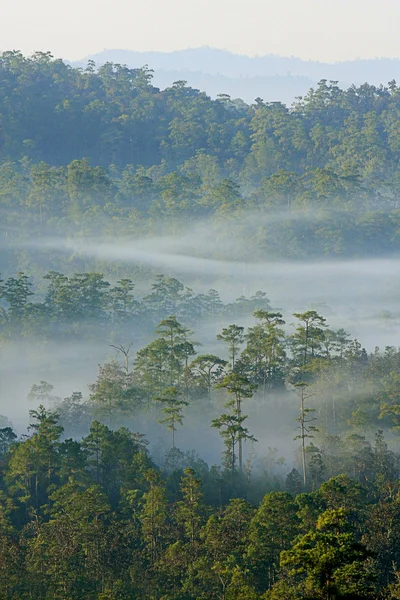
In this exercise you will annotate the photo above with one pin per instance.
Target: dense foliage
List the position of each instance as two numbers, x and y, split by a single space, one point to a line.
97 519
85 146
56 114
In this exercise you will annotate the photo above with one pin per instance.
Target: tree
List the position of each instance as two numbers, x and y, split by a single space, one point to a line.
188 511
172 411
42 393
70 551
111 457
331 561
11 554
306 342
209 370
165 297
153 517
7 437
87 186
213 304
293 482
90 296
125 351
306 430
382 535
316 466
233 433
281 189
264 356
33 466
124 305
75 414
45 189
114 391
233 336
179 348
225 540
272 530
76 303
16 292
385 463
239 388
152 368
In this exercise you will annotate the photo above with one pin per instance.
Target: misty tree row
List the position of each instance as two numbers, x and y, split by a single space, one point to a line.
86 305
313 213
95 518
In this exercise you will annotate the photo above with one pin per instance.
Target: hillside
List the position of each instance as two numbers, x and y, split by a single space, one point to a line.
81 148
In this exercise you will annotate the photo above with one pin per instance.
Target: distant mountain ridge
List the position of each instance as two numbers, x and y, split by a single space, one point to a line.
270 77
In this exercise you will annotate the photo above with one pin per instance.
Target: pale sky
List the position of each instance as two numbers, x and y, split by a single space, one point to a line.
325 30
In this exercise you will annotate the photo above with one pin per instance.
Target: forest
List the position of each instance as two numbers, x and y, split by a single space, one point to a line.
199 377
88 512
89 150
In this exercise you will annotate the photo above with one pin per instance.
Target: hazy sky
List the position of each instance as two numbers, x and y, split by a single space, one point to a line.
326 30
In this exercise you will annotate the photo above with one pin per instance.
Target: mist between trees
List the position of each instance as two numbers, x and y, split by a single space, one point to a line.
181 372
301 409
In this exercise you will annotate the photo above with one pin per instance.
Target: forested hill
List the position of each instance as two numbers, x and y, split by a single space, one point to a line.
105 142
55 113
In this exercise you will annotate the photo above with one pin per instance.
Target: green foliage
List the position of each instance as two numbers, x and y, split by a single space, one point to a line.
272 530
94 517
330 561
114 392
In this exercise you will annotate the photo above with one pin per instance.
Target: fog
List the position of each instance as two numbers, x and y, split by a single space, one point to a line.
71 367
360 296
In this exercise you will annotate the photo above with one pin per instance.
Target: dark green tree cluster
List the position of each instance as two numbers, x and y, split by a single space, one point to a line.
114 115
96 519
